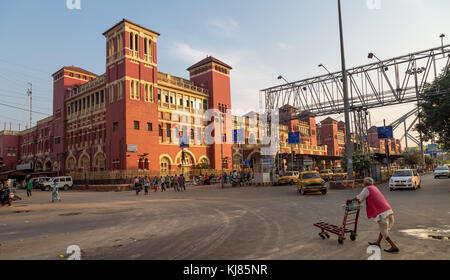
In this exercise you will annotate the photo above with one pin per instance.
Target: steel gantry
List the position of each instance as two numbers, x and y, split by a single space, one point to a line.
388 82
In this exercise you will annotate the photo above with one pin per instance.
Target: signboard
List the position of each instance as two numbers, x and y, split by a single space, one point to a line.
184 142
268 162
132 148
385 133
294 138
247 163
238 136
26 166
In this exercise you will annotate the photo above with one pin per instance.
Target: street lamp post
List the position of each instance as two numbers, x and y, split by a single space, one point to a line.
348 140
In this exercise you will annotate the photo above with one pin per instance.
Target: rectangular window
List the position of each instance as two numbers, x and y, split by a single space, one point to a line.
115 126
160 130
88 99
169 130
57 140
102 96
97 98
136 125
149 127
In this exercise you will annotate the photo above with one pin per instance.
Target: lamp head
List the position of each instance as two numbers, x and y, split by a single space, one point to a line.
280 77
370 56
442 35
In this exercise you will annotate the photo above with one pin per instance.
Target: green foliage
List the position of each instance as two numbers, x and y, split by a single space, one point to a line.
412 159
435 111
429 161
361 161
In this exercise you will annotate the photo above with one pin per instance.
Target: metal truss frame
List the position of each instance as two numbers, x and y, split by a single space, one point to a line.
393 81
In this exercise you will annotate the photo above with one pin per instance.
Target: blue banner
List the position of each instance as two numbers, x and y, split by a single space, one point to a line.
294 138
238 136
385 133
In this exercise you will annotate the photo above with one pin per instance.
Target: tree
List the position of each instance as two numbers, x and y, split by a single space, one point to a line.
361 161
412 159
435 111
429 161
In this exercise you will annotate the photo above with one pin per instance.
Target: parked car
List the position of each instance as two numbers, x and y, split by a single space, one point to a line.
326 174
405 179
289 178
310 181
38 181
64 183
442 171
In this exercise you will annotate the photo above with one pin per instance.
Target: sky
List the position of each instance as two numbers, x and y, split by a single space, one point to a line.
260 39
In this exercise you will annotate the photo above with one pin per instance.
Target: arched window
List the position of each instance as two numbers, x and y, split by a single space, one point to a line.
136 42
131 90
131 41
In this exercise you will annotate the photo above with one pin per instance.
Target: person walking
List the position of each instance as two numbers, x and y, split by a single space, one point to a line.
163 184
167 180
180 182
55 193
378 209
155 183
136 185
29 186
6 195
146 185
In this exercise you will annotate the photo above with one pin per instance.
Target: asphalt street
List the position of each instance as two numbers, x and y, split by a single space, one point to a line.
208 222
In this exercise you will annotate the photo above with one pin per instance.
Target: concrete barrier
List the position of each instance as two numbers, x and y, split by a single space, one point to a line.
342 185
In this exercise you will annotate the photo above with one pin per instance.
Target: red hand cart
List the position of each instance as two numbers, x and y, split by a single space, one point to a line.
350 218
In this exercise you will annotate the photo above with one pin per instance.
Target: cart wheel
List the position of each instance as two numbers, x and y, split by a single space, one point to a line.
321 235
327 235
340 240
353 237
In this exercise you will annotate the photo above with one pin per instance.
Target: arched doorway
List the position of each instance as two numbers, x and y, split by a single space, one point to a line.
48 166
71 163
164 164
99 161
237 161
185 165
255 161
84 163
39 166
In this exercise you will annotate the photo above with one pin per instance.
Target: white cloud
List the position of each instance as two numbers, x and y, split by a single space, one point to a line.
283 46
225 27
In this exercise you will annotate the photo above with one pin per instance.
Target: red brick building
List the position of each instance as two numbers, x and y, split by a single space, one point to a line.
125 119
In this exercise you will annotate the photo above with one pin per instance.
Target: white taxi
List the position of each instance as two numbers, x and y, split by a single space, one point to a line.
405 179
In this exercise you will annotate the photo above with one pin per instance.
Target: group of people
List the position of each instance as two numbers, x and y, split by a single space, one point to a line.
240 178
6 194
178 183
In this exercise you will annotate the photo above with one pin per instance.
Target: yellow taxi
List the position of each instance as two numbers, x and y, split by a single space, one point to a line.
310 181
326 174
341 175
289 178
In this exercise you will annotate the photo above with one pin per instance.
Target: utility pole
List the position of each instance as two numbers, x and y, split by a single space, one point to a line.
386 147
30 94
221 146
416 79
348 140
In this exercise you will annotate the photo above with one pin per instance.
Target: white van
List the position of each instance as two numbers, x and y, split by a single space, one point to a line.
64 183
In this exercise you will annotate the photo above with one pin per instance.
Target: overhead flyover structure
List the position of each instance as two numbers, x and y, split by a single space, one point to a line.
389 82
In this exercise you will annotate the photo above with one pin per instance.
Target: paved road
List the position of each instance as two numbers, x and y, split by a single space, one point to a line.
211 223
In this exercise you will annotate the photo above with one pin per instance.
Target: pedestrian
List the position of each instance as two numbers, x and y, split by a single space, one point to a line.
55 192
225 178
155 183
136 185
378 209
163 183
146 185
230 179
6 195
183 182
180 182
167 180
29 187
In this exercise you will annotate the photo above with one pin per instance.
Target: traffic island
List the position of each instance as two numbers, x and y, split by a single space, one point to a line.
103 188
